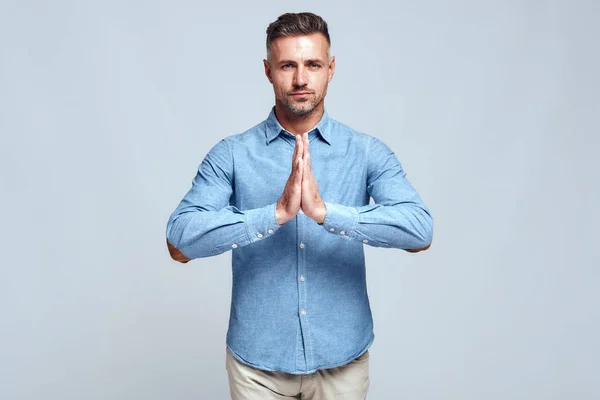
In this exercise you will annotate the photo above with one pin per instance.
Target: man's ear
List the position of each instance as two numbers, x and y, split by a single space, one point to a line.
331 69
268 71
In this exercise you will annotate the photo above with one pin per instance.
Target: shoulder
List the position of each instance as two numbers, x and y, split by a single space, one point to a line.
251 136
377 154
225 148
353 136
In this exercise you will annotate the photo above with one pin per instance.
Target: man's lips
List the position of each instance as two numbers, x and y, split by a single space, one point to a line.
300 93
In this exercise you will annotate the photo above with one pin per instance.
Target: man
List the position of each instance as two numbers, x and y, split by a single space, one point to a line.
290 197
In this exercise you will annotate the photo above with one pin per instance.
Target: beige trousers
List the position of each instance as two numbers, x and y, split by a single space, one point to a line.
348 382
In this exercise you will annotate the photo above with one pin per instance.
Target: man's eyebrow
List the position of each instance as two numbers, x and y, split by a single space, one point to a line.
315 60
310 61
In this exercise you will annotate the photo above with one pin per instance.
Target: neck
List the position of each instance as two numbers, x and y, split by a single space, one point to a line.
297 125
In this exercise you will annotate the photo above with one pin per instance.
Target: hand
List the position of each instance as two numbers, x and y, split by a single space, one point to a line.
289 203
312 203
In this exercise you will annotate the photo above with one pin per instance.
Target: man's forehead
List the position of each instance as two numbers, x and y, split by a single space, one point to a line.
313 45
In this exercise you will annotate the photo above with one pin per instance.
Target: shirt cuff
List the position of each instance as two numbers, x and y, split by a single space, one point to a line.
341 220
261 222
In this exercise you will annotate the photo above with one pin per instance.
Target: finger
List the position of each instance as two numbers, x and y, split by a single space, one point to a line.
305 148
299 172
295 150
305 143
297 153
300 154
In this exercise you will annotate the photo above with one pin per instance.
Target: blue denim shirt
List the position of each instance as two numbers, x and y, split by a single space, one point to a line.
299 300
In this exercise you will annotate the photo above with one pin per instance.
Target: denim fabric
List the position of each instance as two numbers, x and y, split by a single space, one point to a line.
299 299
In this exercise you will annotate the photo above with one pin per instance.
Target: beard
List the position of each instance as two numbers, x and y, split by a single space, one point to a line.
304 106
301 108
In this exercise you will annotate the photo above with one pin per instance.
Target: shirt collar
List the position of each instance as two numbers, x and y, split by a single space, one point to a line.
274 128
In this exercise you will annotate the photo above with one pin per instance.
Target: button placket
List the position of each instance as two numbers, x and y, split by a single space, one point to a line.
301 279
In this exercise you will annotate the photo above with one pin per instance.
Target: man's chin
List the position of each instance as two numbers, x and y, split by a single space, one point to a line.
301 113
302 110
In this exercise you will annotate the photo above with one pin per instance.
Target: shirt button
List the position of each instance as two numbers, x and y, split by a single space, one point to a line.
303 312
234 246
259 235
301 245
342 233
331 229
301 278
270 231
365 241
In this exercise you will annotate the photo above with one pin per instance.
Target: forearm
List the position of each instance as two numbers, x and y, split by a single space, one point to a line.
200 233
406 226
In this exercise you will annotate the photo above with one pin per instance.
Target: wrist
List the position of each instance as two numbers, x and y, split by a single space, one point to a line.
279 215
320 215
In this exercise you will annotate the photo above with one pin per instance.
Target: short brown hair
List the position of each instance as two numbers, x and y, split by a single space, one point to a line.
296 24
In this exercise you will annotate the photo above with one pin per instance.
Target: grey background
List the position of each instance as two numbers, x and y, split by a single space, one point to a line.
107 108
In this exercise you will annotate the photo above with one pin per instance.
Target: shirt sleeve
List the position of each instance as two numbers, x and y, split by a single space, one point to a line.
204 224
398 218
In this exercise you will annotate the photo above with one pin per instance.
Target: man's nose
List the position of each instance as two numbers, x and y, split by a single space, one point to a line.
300 77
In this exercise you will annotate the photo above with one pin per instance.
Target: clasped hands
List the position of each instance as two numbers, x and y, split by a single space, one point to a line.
301 190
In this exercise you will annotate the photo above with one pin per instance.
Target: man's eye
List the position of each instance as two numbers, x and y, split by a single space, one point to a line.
285 66
314 65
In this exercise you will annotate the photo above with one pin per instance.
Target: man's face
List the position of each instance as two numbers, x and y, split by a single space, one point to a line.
300 69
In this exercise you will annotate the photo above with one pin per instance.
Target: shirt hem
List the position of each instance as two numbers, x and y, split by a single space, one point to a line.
275 369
